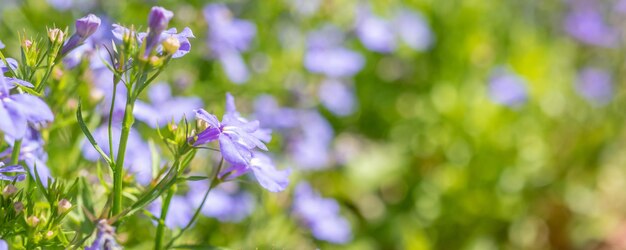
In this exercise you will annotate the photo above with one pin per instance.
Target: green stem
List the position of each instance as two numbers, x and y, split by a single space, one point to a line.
110 125
15 155
214 182
164 210
121 153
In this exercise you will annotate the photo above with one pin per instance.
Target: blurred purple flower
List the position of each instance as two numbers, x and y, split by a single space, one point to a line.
63 5
337 97
326 55
507 89
305 7
264 171
4 245
105 237
11 169
586 23
413 29
321 215
32 153
12 65
179 213
595 85
227 38
19 110
138 152
272 116
225 202
164 107
375 33
1 45
310 148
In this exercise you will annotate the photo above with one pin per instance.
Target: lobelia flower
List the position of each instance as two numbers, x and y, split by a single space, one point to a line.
227 38
158 19
1 45
183 38
225 202
85 27
105 237
12 65
320 215
164 107
17 111
375 33
310 147
595 85
11 169
271 115
413 29
32 152
179 213
586 23
507 89
238 138
330 57
337 97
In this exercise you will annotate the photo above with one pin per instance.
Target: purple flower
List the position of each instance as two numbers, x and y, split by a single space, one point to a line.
264 171
138 155
227 38
19 110
158 19
310 148
85 27
271 115
164 107
586 23
235 134
595 85
12 65
337 97
413 30
183 38
32 152
507 89
179 213
226 202
321 215
11 169
305 7
325 54
4 245
105 237
375 33
1 45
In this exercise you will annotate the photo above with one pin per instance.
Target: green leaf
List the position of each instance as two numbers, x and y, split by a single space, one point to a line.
93 142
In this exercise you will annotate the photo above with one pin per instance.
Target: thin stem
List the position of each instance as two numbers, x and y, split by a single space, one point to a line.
110 125
214 182
15 155
121 153
164 210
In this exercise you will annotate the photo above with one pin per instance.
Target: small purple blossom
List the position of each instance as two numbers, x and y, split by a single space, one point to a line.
337 97
321 215
413 29
32 152
105 237
271 115
228 38
226 202
327 56
119 31
507 89
158 19
85 27
586 23
375 33
164 107
11 169
179 213
595 85
19 110
1 45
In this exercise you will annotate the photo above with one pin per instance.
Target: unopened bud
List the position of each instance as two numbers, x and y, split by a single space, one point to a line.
9 190
171 45
27 44
87 25
32 221
155 61
64 206
56 35
18 206
49 234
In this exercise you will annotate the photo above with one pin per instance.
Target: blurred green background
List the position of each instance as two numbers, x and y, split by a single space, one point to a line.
432 161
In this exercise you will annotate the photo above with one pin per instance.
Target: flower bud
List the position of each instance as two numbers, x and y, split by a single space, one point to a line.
87 25
63 206
155 61
18 206
158 19
27 44
32 221
56 35
9 190
171 45
49 234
